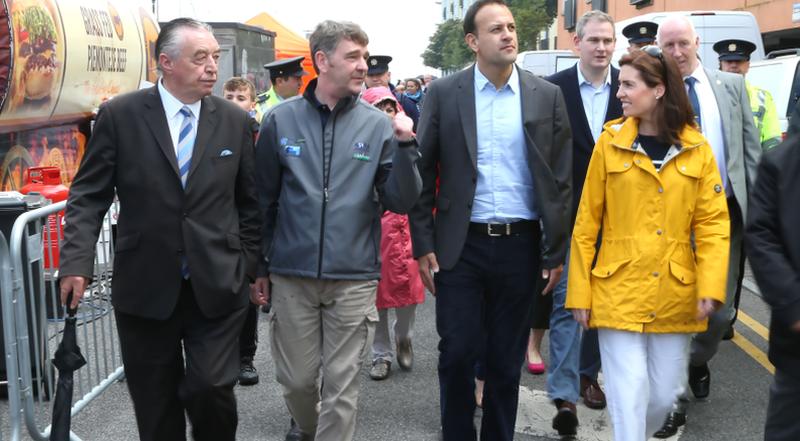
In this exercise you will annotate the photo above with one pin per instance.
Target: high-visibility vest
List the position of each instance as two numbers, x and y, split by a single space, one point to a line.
765 116
265 101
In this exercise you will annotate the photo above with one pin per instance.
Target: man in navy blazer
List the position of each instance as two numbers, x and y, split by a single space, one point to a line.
590 91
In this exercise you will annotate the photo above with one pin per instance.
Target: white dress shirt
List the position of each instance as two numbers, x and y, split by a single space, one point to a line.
711 120
172 109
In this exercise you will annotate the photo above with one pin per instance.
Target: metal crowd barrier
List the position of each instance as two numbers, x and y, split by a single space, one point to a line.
33 321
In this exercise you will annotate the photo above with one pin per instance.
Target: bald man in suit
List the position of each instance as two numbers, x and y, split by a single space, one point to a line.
722 109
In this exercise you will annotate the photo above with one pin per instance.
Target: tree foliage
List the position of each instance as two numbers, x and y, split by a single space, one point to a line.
447 50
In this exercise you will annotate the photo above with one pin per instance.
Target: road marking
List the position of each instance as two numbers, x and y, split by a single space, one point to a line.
754 324
535 417
751 286
754 352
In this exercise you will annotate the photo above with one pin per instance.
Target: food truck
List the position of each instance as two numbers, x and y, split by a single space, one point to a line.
59 60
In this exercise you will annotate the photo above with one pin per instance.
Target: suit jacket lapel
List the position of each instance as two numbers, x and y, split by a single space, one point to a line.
723 104
575 97
466 108
614 109
156 120
529 110
205 127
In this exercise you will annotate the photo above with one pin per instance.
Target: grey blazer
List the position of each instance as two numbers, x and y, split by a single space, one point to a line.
447 137
742 144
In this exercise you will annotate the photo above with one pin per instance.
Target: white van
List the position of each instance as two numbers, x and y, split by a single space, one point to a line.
711 26
546 62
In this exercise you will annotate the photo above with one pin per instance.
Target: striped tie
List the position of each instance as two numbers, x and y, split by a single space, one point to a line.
185 144
185 147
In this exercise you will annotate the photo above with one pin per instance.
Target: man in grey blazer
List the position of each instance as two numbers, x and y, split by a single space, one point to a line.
723 113
181 162
497 140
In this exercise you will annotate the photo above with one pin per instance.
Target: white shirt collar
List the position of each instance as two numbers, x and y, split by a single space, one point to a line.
582 80
173 105
481 81
699 74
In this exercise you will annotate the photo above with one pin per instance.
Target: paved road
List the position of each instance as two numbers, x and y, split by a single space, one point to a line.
405 407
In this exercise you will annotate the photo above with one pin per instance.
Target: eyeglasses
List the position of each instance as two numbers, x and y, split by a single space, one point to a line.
653 51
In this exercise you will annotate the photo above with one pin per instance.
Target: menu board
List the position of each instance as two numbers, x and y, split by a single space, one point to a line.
71 55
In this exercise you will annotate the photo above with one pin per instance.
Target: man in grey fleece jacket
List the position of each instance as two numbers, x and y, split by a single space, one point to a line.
327 166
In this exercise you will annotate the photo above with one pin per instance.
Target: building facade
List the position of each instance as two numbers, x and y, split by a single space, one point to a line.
778 20
455 9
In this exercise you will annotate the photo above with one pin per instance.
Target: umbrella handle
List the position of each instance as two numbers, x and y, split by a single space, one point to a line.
70 311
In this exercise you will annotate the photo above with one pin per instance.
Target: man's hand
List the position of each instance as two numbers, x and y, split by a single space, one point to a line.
403 127
582 316
259 291
75 285
552 276
428 266
796 327
706 307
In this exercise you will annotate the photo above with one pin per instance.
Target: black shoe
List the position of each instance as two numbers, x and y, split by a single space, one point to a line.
248 375
670 427
700 380
728 334
566 420
295 434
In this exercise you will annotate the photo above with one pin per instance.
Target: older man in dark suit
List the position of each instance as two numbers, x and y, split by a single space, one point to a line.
181 162
773 245
498 141
590 91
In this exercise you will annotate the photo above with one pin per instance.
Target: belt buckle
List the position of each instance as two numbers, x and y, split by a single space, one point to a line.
507 232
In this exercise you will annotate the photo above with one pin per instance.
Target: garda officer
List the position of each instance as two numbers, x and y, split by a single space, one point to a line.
734 57
378 75
286 77
640 34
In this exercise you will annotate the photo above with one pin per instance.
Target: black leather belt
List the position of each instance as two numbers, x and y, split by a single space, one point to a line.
496 230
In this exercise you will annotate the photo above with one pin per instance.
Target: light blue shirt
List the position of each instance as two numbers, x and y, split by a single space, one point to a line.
504 191
595 101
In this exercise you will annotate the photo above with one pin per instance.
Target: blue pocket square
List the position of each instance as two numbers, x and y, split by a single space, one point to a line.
224 153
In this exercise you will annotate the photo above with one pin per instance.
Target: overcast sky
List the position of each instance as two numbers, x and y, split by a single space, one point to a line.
397 28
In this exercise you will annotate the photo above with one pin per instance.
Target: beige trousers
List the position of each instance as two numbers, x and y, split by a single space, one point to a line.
327 324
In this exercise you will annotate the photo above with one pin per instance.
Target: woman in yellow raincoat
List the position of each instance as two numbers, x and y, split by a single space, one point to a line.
659 267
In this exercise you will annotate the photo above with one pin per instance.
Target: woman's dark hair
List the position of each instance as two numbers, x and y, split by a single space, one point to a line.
415 81
472 11
673 111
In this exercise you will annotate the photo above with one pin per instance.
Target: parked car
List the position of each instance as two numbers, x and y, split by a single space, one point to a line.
779 74
546 62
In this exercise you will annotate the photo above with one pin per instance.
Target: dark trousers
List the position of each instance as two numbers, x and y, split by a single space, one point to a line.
248 339
590 354
185 363
784 408
487 297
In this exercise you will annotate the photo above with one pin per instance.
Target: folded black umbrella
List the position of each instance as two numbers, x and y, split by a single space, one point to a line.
67 360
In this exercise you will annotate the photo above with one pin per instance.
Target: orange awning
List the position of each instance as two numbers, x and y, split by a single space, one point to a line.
288 44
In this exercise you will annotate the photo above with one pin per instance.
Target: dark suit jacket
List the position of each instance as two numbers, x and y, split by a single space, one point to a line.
773 247
214 222
582 140
448 142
